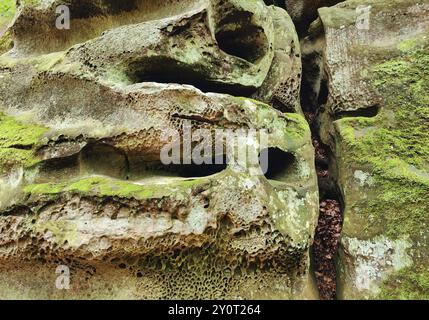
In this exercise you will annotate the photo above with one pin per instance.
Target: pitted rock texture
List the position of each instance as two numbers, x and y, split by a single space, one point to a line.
84 116
372 84
237 47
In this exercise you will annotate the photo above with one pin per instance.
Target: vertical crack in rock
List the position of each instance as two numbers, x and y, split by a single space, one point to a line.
302 12
325 247
328 231
314 93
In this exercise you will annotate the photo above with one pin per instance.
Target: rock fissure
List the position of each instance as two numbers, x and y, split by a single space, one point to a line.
329 226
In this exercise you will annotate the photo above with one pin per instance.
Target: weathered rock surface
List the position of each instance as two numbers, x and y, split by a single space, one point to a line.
302 12
371 74
82 129
87 112
239 47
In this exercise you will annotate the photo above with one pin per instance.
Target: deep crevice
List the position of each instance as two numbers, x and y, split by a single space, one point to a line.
314 95
323 93
328 231
194 170
104 159
168 70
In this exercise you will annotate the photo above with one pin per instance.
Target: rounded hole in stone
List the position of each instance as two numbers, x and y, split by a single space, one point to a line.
237 35
276 164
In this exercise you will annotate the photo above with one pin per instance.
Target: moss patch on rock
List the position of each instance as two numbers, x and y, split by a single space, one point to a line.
395 145
16 142
108 187
6 42
7 11
14 132
407 284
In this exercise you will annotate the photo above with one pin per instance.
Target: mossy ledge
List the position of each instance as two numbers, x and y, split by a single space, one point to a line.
17 142
101 186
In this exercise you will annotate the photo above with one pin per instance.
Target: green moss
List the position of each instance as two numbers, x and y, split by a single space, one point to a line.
186 184
99 186
408 284
297 125
14 132
394 146
347 131
45 188
412 44
401 208
7 11
16 142
108 187
10 157
32 2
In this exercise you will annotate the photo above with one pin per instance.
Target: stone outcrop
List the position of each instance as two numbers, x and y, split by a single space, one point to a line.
302 12
85 115
90 113
369 72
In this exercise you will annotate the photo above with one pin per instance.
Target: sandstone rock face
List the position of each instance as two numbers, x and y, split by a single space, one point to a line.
90 112
85 115
371 75
302 12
